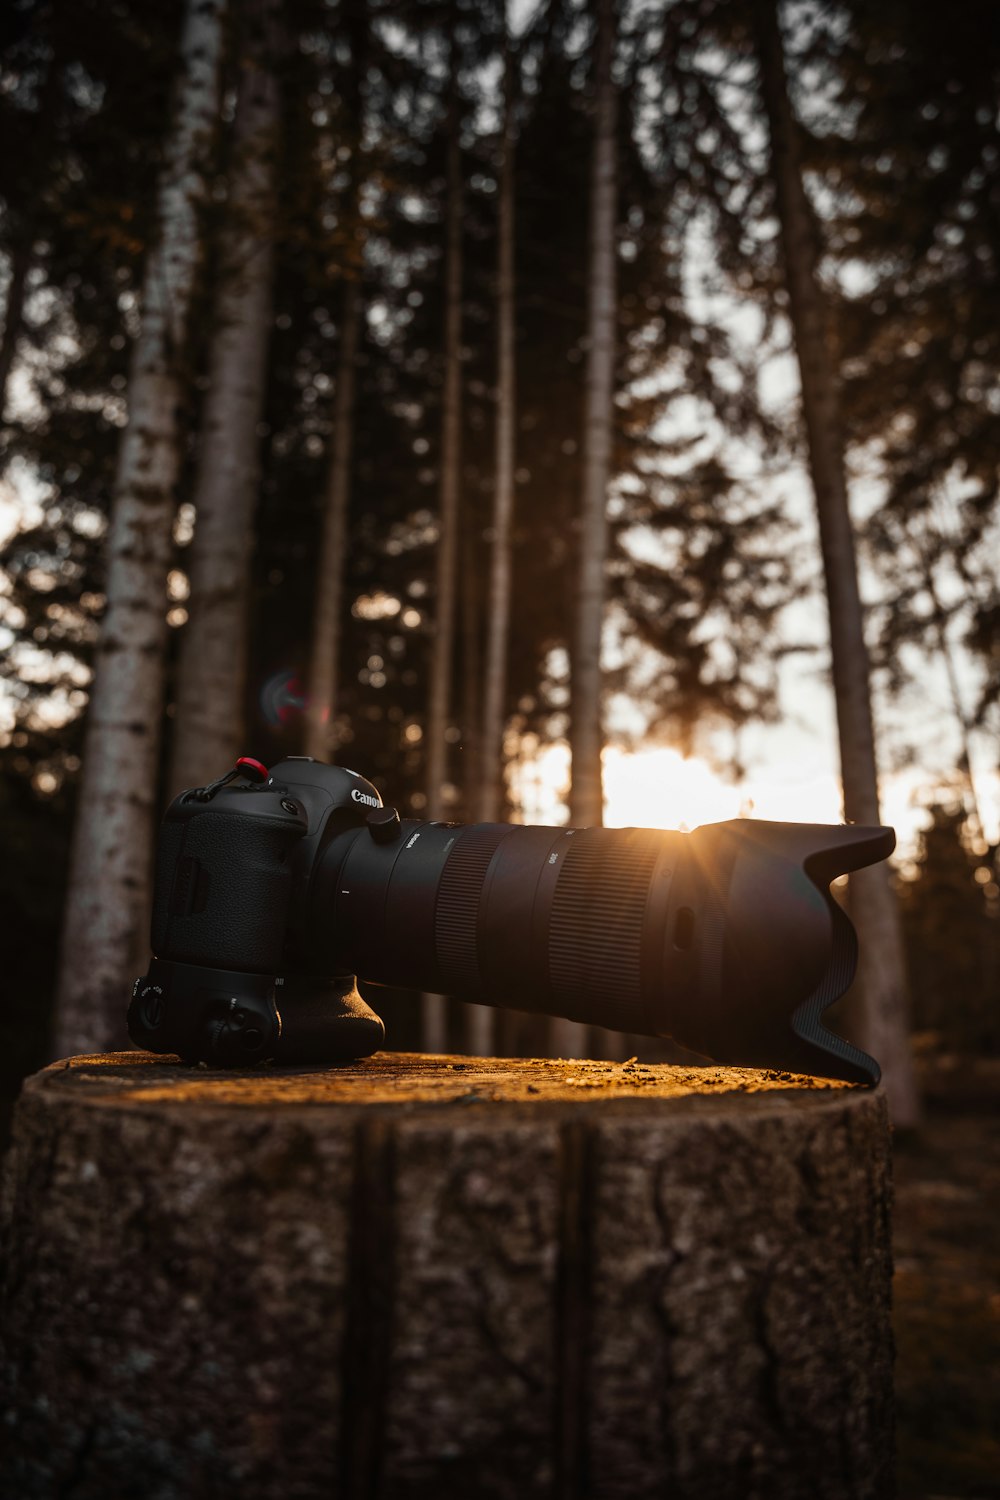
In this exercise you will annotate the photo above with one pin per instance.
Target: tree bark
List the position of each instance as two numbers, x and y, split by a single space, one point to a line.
882 968
447 1278
498 614
51 126
209 723
324 662
443 645
586 808
586 795
109 877
964 724
447 549
471 590
321 741
13 318
481 1024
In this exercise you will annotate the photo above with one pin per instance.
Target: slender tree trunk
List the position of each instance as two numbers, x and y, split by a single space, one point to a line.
882 969
212 677
586 795
324 662
110 863
434 1011
13 318
498 614
472 668
962 720
480 1023
50 127
586 807
328 604
451 419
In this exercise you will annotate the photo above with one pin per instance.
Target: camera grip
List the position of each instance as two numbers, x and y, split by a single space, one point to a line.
223 884
325 1021
237 1020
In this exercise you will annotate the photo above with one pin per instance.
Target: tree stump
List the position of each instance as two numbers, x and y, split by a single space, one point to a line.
423 1276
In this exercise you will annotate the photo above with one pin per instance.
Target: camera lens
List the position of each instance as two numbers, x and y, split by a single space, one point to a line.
567 921
726 939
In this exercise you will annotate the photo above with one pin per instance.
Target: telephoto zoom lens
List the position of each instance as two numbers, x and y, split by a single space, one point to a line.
727 939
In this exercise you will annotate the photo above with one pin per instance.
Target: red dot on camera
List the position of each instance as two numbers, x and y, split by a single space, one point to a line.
253 770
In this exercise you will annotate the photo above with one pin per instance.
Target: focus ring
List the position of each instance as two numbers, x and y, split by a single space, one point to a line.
456 913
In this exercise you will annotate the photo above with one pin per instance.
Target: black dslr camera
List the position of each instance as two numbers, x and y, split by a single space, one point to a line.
273 890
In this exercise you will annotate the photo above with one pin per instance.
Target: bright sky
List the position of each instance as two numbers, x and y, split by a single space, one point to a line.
659 788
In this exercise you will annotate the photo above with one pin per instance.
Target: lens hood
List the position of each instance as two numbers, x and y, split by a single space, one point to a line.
779 950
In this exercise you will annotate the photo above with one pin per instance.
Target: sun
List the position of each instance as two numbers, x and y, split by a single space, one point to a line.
655 788
661 788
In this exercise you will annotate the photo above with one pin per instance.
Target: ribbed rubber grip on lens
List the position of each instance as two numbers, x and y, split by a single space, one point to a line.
457 910
597 917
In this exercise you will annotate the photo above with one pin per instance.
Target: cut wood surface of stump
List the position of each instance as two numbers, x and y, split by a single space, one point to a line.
437 1276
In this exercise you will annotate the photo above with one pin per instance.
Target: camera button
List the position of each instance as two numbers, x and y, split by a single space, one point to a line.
383 824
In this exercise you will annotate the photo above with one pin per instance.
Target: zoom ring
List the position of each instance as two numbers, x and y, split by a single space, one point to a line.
456 912
598 912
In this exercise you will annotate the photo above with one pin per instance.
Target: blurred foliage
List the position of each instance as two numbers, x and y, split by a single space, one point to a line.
914 233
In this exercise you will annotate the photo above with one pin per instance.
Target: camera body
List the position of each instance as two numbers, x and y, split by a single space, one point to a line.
274 889
231 981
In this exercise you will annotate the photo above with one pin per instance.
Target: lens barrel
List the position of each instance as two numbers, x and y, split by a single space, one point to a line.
726 939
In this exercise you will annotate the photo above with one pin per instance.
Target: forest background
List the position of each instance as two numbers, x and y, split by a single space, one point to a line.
425 386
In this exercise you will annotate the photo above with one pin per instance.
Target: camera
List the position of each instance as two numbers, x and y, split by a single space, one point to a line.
275 888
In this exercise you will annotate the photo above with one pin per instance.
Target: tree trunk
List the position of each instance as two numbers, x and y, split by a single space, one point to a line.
13 318
324 665
470 587
481 1024
514 1281
451 419
209 724
324 662
586 795
443 646
108 891
963 722
50 127
498 613
882 970
586 808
